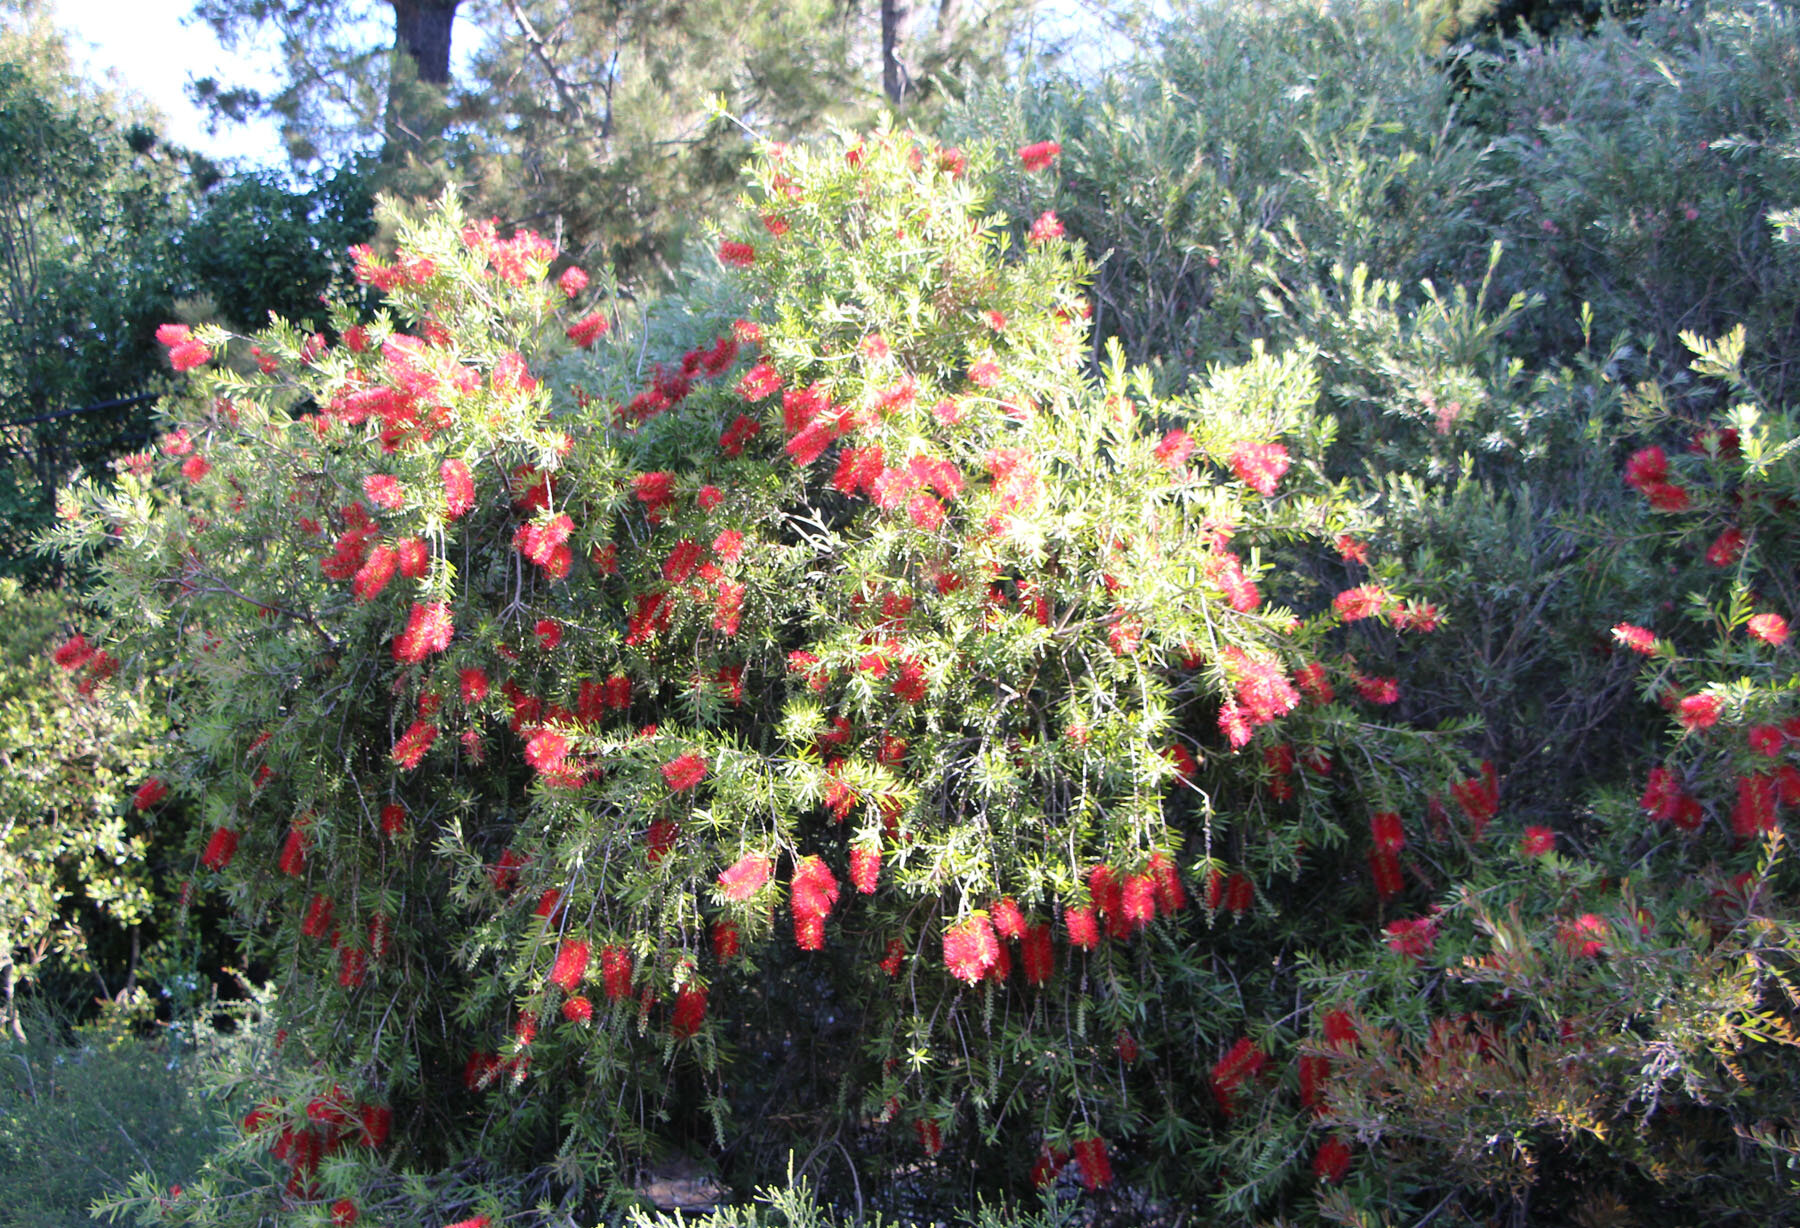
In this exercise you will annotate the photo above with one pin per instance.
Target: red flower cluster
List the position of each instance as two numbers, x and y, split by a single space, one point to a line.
570 966
428 630
684 771
745 878
1243 1062
1039 155
812 894
1259 466
971 949
1647 472
185 350
149 793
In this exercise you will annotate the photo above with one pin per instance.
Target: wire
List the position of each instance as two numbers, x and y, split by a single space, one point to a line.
121 403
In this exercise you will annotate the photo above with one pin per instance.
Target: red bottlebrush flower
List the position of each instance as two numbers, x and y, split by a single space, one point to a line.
474 684
709 498
578 1010
1126 1046
459 487
745 878
1413 938
428 630
480 1221
931 1138
1647 467
1727 548
220 849
384 490
1766 740
318 917
343 1213
1238 894
570 966
1585 936
149 793
1038 155
293 853
1183 761
725 939
549 906
1331 1161
984 374
410 750
617 692
865 868
655 490
728 607
1385 869
195 468
1314 683
1138 900
1047 1166
1418 616
1313 1073
1351 550
1754 812
760 381
1174 450
73 653
1378 690
1769 628
1537 841
393 820
1667 498
1259 466
588 329
1083 927
893 957
375 574
1479 798
1046 227
1171 896
728 546
1009 922
689 1014
814 889
185 352
353 966
660 839
741 431
1126 634
1243 1061
1388 833
1638 639
1699 711
971 949
504 874
1038 954
1338 1028
1363 601
549 633
573 281
1096 1167
684 772
615 973
414 558
738 255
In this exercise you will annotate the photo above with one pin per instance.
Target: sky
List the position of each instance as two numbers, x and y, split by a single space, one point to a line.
144 47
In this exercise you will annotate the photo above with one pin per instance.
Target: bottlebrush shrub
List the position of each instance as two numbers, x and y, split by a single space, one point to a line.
1613 1003
572 712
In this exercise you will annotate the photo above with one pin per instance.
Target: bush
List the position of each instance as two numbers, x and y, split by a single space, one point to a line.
512 689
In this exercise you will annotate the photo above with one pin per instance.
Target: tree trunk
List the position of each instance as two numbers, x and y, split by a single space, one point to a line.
419 74
422 35
896 28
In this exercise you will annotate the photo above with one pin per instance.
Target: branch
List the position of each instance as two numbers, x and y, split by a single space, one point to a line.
533 40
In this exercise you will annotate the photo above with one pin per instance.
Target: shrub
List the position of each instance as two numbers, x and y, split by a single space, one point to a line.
588 744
